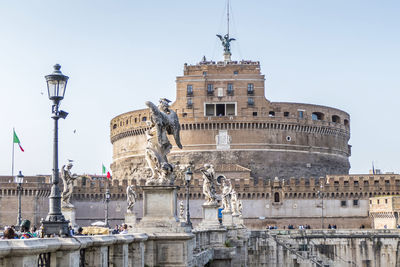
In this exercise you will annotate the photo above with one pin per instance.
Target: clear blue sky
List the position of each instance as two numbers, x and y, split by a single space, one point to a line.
118 54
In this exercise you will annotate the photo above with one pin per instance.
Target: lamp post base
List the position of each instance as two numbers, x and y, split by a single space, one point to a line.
55 228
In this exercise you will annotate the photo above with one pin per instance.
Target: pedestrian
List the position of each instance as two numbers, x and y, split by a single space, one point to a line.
9 233
25 225
80 230
125 229
116 230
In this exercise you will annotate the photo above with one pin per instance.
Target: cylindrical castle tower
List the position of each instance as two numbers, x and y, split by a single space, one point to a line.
226 119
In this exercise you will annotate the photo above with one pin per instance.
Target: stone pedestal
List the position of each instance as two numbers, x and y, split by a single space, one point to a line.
169 242
210 217
227 219
160 211
69 215
238 220
130 220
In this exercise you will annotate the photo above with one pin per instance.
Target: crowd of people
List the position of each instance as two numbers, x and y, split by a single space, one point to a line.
121 229
25 231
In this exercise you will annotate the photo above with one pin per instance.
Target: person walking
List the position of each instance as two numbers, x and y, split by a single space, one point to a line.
25 226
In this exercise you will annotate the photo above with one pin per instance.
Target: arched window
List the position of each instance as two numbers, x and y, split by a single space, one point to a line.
317 116
276 197
346 122
335 119
114 126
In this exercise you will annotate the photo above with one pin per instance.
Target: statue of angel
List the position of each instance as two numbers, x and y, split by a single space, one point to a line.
226 194
226 42
130 198
240 207
68 180
163 121
208 184
234 203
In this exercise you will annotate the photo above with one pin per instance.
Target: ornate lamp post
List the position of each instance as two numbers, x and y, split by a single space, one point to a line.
19 179
55 223
188 177
108 196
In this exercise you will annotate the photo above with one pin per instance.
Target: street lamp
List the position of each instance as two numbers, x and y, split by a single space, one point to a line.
19 179
55 223
188 177
108 196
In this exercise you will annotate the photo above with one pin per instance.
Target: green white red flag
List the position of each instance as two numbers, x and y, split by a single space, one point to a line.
16 141
104 170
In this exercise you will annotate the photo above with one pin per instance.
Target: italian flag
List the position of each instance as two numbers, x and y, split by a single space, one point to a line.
16 141
104 170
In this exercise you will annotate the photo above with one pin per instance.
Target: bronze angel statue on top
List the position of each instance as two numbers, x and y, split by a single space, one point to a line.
163 122
226 42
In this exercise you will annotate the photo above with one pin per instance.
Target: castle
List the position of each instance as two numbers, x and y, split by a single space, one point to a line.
226 119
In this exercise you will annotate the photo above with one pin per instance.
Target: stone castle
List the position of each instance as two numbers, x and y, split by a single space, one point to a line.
226 119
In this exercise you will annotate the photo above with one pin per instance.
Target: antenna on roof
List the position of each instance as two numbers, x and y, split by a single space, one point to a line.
227 16
226 40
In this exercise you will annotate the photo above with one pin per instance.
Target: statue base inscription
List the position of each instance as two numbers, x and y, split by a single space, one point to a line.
227 218
69 215
160 211
210 217
130 220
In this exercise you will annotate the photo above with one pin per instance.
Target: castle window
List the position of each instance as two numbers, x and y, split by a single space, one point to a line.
250 88
114 126
210 89
336 183
230 89
255 114
236 72
189 90
346 183
376 183
377 201
355 183
204 73
144 118
343 203
220 110
386 201
135 120
317 116
189 103
387 182
184 114
286 114
355 202
230 109
271 114
335 119
276 197
366 183
301 114
250 101
210 110
346 122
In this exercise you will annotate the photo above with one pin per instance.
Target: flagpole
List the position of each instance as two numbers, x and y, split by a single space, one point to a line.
12 168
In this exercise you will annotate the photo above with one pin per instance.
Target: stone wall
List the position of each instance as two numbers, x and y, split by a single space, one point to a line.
34 200
324 248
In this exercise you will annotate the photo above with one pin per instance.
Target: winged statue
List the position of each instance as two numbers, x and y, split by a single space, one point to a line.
163 122
226 42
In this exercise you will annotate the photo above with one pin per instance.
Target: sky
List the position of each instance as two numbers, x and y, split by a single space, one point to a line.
119 54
